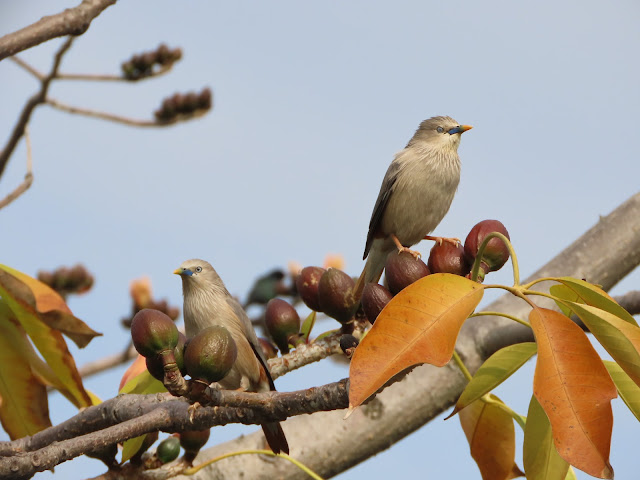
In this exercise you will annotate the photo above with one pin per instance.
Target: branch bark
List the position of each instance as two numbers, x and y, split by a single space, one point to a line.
324 442
72 21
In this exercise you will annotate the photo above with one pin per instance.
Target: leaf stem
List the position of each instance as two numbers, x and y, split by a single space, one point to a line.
462 366
301 466
514 259
527 286
500 314
520 420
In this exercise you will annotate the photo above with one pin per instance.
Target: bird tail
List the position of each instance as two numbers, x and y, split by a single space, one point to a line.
372 271
275 437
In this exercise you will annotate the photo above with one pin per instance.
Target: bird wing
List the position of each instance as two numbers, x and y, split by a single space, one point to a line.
250 333
386 189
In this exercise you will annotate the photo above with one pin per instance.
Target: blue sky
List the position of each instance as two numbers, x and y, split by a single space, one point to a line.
311 101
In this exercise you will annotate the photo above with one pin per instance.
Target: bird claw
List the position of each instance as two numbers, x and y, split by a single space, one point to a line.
417 255
192 410
453 241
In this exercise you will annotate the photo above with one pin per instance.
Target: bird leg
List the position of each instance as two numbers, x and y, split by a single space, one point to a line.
454 241
402 248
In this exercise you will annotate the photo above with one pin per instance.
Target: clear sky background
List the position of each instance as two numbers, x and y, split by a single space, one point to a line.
311 101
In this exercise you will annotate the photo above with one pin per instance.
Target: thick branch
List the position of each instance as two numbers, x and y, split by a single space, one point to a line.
136 415
428 391
73 21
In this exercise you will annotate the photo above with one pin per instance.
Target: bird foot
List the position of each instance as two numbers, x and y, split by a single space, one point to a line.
192 410
453 241
415 253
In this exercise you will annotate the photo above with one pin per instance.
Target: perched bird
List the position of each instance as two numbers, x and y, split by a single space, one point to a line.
267 287
415 195
207 302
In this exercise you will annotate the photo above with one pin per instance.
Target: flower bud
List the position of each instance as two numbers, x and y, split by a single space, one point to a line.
374 298
282 322
335 295
210 354
153 332
307 285
401 270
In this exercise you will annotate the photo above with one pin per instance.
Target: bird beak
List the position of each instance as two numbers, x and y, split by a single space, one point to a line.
459 129
183 271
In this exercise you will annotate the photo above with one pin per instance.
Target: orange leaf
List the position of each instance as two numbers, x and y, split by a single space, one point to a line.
575 390
419 325
24 408
492 439
45 303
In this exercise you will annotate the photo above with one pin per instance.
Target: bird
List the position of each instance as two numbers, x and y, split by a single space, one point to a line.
207 302
415 195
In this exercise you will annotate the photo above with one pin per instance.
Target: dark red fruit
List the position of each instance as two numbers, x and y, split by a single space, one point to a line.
307 284
153 332
210 354
168 449
335 295
156 366
495 254
448 258
283 323
402 270
192 441
374 298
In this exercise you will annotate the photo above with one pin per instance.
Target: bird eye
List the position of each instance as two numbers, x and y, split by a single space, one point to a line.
198 269
440 129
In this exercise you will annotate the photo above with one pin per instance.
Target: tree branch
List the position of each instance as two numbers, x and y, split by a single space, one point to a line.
73 21
139 414
28 177
34 101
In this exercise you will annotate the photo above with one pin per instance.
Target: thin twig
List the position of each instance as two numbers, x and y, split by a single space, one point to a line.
32 70
34 101
72 21
90 77
28 177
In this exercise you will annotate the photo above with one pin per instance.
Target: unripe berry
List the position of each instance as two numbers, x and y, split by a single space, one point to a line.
210 354
374 298
192 441
402 270
153 332
307 284
282 321
335 295
168 449
446 257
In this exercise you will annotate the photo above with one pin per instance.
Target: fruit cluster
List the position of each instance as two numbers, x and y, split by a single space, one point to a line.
141 65
64 280
190 103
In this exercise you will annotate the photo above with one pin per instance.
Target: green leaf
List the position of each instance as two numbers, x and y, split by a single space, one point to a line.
130 447
143 383
325 334
592 295
541 460
565 293
24 408
621 339
495 370
307 326
628 390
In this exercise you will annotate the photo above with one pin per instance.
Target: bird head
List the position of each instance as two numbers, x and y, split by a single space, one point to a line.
439 132
198 273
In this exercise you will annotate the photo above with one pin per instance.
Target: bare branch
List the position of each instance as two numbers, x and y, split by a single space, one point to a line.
105 363
118 118
28 177
32 70
630 301
113 78
34 101
73 21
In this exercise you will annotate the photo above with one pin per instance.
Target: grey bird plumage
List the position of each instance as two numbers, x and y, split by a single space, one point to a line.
415 194
207 302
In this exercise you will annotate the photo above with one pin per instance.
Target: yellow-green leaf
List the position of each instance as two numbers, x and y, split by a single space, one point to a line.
621 339
307 326
419 325
130 447
565 293
143 383
24 408
495 370
628 390
589 294
41 301
541 459
492 439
